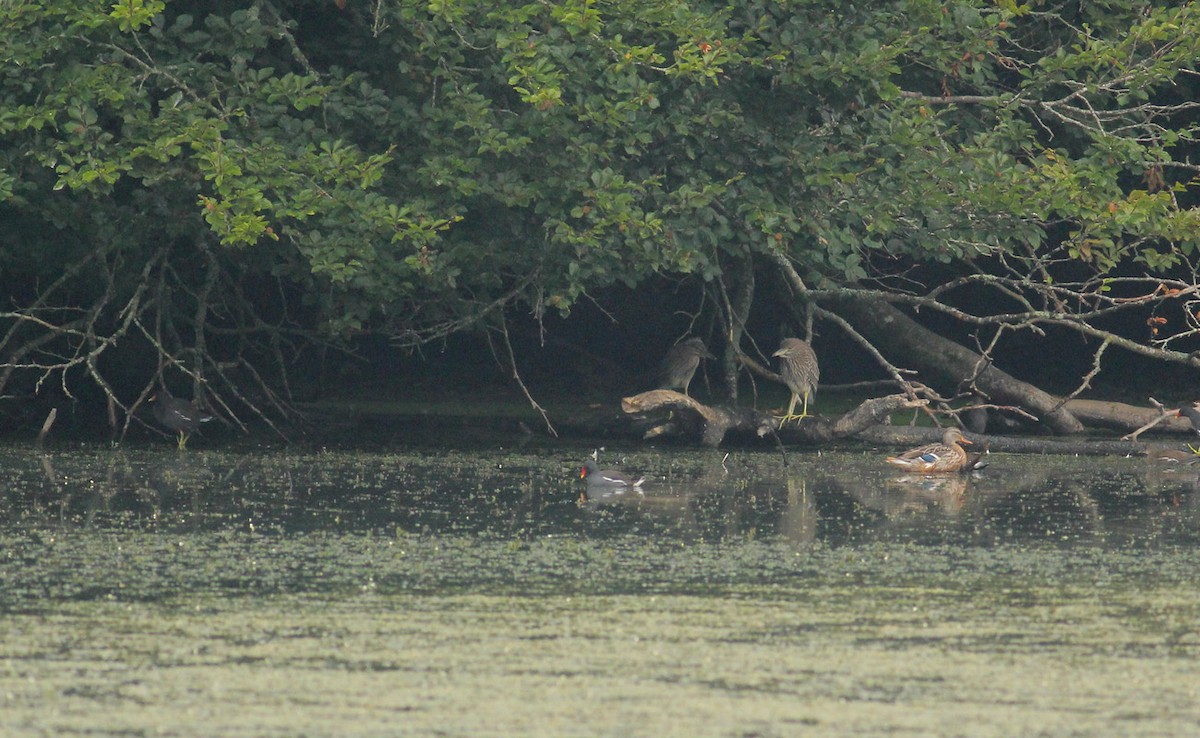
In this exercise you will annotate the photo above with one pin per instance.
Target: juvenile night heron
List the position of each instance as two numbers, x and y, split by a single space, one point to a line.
799 369
179 415
680 364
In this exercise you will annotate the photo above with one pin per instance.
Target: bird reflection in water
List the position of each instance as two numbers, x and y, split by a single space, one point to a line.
911 493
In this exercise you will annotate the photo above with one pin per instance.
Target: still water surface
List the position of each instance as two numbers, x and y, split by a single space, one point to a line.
462 593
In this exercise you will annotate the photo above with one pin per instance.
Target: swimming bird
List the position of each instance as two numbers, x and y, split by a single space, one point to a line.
947 456
976 461
1173 457
680 364
1192 413
597 477
799 369
179 415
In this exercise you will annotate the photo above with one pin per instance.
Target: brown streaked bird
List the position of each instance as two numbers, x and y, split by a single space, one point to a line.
1173 457
799 369
933 458
680 364
179 415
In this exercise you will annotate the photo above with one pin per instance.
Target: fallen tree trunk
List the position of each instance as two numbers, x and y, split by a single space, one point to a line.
666 412
1122 416
909 436
903 339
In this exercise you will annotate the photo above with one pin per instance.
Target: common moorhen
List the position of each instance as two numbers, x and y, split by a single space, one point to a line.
799 369
1192 413
975 462
179 415
680 364
947 456
597 477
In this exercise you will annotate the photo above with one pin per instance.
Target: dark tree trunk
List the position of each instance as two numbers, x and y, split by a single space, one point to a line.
734 298
904 341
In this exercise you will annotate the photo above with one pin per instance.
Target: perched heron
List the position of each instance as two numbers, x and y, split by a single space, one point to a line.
799 369
179 415
680 364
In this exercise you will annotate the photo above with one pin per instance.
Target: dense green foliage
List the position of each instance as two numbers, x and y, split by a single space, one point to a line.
221 179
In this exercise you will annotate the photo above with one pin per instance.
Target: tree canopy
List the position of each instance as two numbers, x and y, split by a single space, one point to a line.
216 187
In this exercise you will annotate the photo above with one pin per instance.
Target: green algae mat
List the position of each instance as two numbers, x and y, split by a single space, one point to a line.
481 593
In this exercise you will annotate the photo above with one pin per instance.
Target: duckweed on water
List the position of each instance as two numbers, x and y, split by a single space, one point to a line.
472 594
40 571
826 660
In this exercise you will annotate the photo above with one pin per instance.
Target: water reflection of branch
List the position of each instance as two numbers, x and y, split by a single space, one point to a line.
53 478
1061 501
1064 504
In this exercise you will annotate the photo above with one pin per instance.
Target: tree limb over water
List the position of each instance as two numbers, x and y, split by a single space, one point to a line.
222 198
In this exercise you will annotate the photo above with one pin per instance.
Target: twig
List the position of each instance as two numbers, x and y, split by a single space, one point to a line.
516 375
1164 415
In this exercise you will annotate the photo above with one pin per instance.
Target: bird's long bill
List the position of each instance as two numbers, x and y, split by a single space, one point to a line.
965 441
780 352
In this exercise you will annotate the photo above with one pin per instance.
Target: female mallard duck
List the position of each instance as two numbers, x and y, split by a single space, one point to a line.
947 456
1173 457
